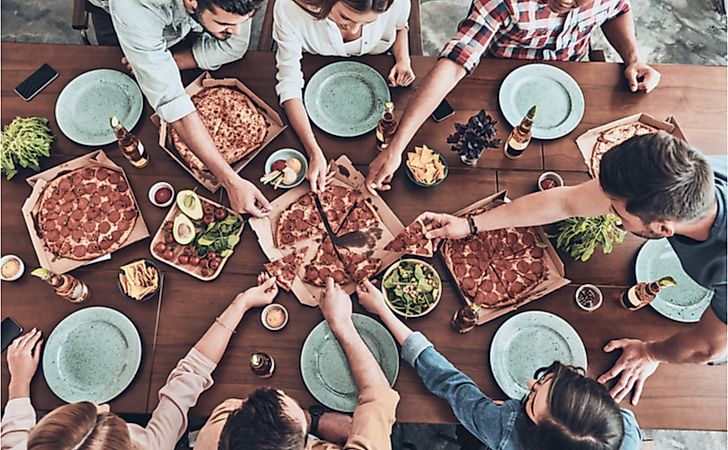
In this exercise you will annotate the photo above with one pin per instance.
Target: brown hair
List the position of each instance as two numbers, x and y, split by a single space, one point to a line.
660 177
321 8
582 415
79 426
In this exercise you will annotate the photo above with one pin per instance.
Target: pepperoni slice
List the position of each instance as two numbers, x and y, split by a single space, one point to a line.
104 227
125 202
468 283
396 245
300 225
512 239
77 214
116 235
339 276
460 270
491 298
124 225
52 235
410 239
77 234
101 173
311 273
475 272
51 215
104 190
89 226
305 200
516 288
479 297
324 273
130 214
114 216
79 251
458 259
536 267
91 213
105 244
338 204
88 173
69 197
523 266
93 247
100 216
114 196
536 252
122 186
486 286
96 199
48 225
510 276
114 177
105 206
475 245
472 260
73 225
297 214
79 190
65 184
90 188
331 215
286 238
483 264
529 239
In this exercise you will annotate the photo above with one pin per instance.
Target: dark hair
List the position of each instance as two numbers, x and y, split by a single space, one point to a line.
660 177
582 415
239 7
321 8
261 424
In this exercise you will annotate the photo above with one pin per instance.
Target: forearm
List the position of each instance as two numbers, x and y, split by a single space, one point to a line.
184 59
686 348
298 117
215 340
399 330
400 48
620 33
18 389
364 367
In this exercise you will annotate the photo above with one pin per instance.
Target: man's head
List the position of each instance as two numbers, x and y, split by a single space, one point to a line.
222 18
267 420
657 181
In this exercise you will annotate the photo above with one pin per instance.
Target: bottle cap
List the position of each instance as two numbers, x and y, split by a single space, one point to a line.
389 107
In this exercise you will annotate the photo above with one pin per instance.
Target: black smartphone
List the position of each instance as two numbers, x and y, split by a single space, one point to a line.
443 111
10 330
35 83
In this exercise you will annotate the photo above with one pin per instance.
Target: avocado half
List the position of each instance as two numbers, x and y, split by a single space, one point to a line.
183 230
189 203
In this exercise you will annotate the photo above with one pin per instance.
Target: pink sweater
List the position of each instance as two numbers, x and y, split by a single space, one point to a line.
188 380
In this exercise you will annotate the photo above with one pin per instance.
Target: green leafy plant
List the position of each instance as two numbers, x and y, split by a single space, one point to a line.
220 237
580 236
23 142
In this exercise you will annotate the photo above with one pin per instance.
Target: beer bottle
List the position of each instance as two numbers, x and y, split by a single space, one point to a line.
466 318
262 364
66 286
386 127
520 136
641 294
129 145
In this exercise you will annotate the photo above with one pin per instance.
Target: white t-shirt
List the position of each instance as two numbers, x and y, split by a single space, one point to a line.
296 31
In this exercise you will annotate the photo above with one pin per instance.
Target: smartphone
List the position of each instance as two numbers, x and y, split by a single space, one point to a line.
443 111
35 83
10 330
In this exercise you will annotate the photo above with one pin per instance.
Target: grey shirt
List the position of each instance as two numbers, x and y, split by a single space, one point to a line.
147 29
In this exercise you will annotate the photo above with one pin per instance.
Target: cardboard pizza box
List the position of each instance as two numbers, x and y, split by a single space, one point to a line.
204 81
588 139
555 279
347 175
30 210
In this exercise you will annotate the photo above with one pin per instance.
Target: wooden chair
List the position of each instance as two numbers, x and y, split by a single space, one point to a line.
79 20
265 43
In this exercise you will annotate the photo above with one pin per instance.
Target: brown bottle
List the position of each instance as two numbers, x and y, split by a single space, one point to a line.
66 286
641 294
520 137
466 318
129 145
386 127
262 364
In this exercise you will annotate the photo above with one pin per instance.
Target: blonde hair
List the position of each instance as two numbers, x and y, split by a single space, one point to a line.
80 427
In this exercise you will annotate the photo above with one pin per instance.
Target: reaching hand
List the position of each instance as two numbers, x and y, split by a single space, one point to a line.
126 63
641 77
23 357
446 226
635 365
335 304
317 169
401 74
371 298
381 171
246 198
260 295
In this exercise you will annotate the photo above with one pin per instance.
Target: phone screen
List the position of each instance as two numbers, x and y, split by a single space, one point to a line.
36 82
10 330
442 112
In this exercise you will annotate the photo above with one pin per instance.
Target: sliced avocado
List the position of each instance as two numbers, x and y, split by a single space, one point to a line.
189 203
183 230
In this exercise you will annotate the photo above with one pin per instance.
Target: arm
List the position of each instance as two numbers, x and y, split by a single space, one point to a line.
298 117
184 59
210 53
401 73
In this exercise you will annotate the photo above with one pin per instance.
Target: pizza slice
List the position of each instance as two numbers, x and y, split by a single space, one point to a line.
325 264
358 265
518 241
519 276
336 202
285 268
608 139
361 217
412 240
299 221
491 292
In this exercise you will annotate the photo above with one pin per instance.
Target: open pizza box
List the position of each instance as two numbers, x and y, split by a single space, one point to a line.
204 81
347 175
554 280
588 139
30 208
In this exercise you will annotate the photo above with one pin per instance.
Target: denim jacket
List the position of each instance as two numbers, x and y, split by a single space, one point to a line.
494 425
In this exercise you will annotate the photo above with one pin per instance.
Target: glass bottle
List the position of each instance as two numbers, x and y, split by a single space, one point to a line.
466 318
66 286
130 145
386 127
520 136
641 294
262 364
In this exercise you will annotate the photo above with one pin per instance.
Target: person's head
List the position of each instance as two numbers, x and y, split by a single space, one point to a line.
80 426
565 409
268 420
222 18
349 15
655 182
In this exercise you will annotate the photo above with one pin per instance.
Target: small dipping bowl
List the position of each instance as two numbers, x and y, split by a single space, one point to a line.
438 182
588 304
156 187
7 259
286 154
278 315
551 178
149 295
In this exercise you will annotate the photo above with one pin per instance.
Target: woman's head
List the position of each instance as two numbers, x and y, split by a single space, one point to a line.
80 426
349 15
565 409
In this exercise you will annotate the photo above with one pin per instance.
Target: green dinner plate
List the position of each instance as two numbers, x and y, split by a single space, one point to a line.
528 341
557 95
92 355
685 302
346 98
86 103
324 367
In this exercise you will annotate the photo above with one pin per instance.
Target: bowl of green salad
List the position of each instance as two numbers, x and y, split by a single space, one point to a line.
411 287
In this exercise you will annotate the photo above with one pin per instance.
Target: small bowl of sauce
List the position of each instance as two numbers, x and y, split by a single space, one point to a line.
161 194
11 268
274 317
549 180
588 297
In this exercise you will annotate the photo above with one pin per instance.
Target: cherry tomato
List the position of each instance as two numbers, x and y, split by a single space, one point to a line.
194 260
205 272
214 263
220 213
168 254
159 248
208 219
211 255
168 225
183 259
168 238
208 209
188 250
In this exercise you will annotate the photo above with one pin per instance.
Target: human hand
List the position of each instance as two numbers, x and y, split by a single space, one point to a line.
335 305
635 365
260 295
381 171
401 74
246 198
126 63
23 358
641 77
317 171
371 298
445 226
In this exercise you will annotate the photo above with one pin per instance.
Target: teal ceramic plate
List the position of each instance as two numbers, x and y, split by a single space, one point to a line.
326 372
92 355
86 103
346 98
558 97
685 302
528 341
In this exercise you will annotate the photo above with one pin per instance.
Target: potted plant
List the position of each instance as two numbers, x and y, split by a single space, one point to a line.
470 139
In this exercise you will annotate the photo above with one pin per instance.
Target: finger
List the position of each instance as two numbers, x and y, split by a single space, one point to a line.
616 369
437 233
252 209
262 201
651 80
638 386
24 338
623 391
392 77
613 345
36 350
631 75
401 77
368 284
429 216
269 283
330 284
322 180
30 343
385 187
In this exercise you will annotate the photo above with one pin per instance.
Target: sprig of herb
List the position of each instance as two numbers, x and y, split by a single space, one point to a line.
580 236
23 142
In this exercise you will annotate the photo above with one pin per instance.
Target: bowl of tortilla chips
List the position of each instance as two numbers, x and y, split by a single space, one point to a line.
139 280
426 167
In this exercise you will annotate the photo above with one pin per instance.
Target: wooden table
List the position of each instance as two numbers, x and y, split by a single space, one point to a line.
677 396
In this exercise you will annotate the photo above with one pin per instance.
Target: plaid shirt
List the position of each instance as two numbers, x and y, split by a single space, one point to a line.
527 29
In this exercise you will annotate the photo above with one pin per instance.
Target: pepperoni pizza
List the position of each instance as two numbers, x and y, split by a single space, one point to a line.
299 221
358 265
336 202
361 217
326 264
412 241
285 268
